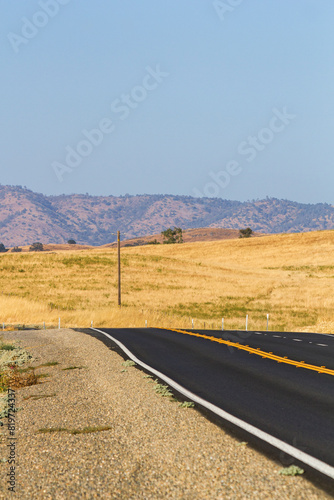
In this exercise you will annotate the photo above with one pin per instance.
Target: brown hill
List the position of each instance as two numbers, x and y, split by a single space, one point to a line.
189 236
54 247
26 216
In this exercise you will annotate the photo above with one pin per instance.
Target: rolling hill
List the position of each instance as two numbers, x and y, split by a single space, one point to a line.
26 216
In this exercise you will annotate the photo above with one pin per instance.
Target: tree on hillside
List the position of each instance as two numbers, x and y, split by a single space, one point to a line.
245 233
3 249
172 235
36 247
72 242
16 249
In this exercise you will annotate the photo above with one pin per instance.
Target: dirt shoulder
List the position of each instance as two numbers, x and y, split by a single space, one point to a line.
153 448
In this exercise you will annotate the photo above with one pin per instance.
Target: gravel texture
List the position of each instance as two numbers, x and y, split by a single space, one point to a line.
154 449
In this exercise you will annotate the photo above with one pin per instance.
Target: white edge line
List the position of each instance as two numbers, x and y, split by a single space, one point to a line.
277 443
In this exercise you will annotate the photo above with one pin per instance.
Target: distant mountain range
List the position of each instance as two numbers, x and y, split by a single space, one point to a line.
26 217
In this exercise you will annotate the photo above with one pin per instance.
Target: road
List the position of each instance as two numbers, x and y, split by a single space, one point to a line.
253 380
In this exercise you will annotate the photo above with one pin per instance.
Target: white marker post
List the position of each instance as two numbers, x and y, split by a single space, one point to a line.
44 325
145 323
91 324
246 322
222 324
192 324
267 322
59 324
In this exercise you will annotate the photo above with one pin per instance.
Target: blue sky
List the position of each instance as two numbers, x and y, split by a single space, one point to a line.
231 98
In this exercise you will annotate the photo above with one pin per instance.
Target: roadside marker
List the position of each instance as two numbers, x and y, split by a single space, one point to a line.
267 322
192 324
145 323
59 324
222 324
246 322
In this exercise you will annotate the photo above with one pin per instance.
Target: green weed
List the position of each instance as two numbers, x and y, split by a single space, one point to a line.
293 470
73 368
39 396
187 404
85 430
128 362
163 390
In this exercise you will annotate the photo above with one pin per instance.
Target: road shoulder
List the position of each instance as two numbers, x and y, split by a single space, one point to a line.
153 448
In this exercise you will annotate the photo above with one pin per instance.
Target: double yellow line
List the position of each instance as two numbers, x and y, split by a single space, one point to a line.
258 352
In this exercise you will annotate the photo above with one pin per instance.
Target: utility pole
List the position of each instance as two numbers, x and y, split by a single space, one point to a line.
119 266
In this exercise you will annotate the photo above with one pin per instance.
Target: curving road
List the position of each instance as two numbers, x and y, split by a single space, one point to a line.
248 380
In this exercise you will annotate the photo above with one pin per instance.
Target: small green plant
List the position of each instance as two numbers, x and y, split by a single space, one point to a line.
293 470
85 430
147 376
163 390
73 368
39 396
128 362
7 347
186 404
53 429
89 429
25 370
49 363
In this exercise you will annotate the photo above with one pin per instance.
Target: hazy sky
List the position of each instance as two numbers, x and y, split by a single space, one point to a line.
230 98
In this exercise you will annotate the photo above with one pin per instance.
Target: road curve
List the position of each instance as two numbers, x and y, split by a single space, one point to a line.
289 406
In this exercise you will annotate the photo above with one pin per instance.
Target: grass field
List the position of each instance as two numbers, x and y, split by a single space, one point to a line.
289 276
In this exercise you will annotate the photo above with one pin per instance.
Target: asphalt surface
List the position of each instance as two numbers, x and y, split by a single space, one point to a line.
295 405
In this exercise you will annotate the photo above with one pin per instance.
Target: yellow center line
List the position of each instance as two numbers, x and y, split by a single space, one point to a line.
258 352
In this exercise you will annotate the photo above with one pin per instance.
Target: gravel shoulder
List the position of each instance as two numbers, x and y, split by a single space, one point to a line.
154 449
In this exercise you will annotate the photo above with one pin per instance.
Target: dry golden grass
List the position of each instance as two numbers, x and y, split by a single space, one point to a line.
14 379
289 276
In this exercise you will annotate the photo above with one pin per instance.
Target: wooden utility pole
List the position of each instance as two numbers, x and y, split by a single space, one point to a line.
119 266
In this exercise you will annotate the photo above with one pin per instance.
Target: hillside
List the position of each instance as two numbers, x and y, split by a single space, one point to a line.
289 277
188 235
26 216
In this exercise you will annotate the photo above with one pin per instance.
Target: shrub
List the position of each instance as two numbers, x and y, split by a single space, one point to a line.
13 378
172 235
16 249
36 247
72 242
245 233
3 249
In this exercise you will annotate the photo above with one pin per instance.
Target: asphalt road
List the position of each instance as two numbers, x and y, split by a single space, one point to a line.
292 405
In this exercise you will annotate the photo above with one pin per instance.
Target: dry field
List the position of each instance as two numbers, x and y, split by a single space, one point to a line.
289 276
